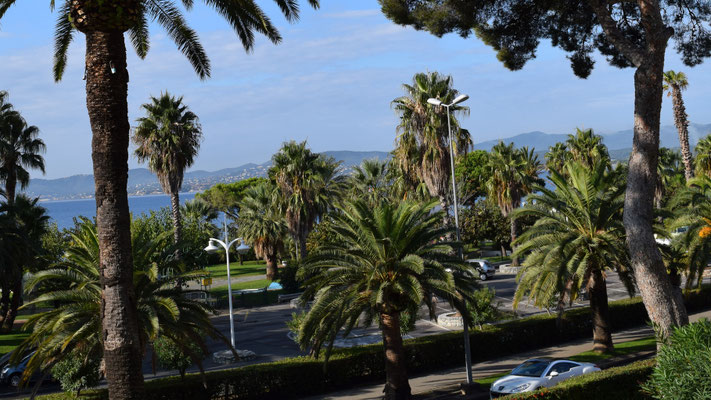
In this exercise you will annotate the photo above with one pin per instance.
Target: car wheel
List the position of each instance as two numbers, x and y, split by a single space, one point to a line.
482 276
14 380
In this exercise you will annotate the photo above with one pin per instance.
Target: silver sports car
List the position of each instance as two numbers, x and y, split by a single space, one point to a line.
537 373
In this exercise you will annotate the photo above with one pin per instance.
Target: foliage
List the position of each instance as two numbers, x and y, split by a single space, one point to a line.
385 260
670 176
481 307
302 376
225 197
171 356
683 368
370 181
484 221
289 276
471 171
692 210
76 372
422 148
74 325
703 156
584 147
512 175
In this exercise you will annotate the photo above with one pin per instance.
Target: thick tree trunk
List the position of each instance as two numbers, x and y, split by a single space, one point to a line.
602 331
397 386
271 260
106 93
682 125
177 222
664 305
10 188
514 235
15 303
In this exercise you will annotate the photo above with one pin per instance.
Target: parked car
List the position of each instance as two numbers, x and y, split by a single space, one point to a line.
12 374
537 373
483 267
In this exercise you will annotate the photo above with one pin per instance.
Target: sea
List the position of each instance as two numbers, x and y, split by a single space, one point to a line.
63 212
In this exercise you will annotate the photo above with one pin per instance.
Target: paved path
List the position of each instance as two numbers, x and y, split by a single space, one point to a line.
452 378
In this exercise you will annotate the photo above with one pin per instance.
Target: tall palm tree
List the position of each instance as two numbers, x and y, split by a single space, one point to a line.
703 156
578 234
103 24
20 149
168 137
587 148
513 173
422 145
370 180
261 223
76 324
382 260
308 184
556 157
675 83
25 222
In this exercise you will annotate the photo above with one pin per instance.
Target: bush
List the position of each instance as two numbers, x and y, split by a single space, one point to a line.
482 309
288 276
298 377
683 370
619 383
170 356
77 372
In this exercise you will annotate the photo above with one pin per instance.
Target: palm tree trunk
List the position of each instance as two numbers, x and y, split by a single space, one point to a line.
106 94
177 223
682 125
271 259
514 235
664 305
15 303
303 234
10 188
446 219
602 332
397 386
4 300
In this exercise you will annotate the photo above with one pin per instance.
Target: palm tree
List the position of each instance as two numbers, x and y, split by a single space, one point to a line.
578 234
670 175
168 137
383 260
75 324
308 185
370 180
675 83
20 149
261 223
103 24
25 222
422 145
703 156
692 209
587 148
556 157
512 175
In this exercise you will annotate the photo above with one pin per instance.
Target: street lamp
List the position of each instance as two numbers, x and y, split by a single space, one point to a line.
438 103
242 249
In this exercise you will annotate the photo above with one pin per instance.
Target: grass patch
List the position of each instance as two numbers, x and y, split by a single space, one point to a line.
250 268
486 382
621 349
496 259
9 341
246 299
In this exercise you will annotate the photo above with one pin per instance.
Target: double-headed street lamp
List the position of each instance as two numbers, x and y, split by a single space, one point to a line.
437 102
241 249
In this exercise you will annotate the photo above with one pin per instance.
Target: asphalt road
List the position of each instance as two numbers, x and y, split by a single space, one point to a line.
263 330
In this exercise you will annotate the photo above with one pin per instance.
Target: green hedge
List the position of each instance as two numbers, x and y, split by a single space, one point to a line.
297 377
620 383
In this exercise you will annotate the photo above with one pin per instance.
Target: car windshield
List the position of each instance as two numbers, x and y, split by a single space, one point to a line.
531 368
486 264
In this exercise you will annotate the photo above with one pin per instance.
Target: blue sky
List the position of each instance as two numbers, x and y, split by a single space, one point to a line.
330 82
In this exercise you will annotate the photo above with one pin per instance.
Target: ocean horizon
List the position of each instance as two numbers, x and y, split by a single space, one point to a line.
63 212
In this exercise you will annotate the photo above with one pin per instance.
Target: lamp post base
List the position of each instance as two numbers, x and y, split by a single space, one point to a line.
227 357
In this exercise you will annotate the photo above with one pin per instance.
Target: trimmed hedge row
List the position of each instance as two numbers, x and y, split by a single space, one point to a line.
301 376
619 383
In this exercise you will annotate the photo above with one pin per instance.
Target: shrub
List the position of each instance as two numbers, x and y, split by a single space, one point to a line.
288 276
77 372
683 370
482 309
619 383
171 356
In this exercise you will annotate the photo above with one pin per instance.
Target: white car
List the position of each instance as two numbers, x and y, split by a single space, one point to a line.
537 373
483 267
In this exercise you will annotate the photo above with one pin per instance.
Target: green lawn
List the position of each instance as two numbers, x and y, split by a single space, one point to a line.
11 340
497 259
250 268
245 300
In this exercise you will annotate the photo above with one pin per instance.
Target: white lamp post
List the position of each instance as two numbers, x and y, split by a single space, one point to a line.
437 102
242 249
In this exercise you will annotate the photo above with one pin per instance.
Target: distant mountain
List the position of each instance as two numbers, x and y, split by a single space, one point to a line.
141 181
614 141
